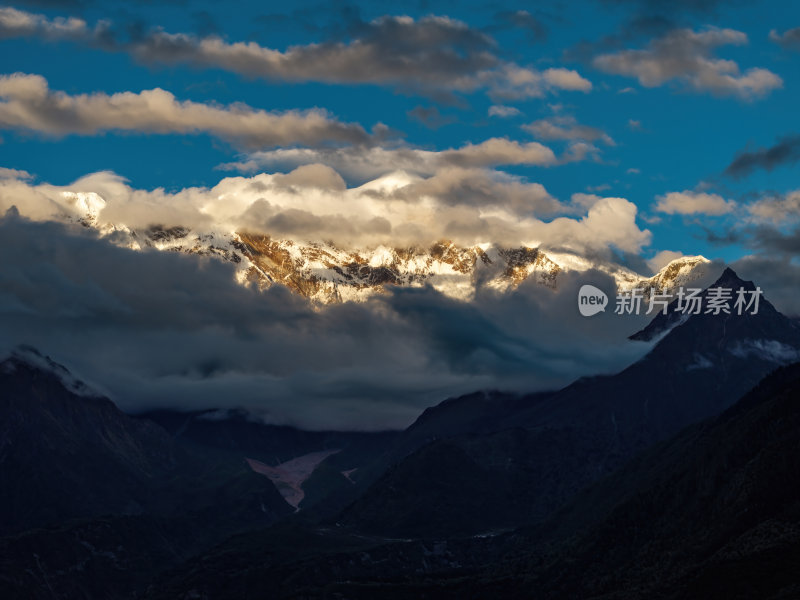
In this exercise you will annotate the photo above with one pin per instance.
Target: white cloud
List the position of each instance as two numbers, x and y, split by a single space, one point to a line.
499 151
466 205
662 259
14 174
776 209
18 23
513 82
687 56
689 202
504 112
566 128
588 200
567 79
363 163
27 102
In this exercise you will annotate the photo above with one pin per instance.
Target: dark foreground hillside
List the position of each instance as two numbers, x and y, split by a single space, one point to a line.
713 512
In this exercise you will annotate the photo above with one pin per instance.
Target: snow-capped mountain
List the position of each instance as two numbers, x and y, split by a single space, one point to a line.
326 273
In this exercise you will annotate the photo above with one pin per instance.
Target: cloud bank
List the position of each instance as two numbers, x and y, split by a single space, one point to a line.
27 103
464 204
159 329
687 57
785 151
434 55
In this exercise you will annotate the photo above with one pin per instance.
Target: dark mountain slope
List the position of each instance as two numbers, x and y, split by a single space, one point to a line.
83 482
714 512
697 370
571 438
69 455
65 455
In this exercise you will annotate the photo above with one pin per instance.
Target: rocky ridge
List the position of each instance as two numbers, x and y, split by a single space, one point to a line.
326 273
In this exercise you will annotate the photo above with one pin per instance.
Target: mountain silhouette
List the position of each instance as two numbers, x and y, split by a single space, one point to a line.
540 450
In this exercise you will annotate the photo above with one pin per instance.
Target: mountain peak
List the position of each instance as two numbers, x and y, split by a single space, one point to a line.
663 323
729 279
31 358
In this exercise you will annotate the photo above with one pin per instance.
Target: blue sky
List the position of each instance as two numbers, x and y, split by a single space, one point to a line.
670 137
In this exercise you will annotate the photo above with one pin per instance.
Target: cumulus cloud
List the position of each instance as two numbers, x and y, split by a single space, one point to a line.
662 259
465 205
785 151
589 200
513 82
27 103
158 329
789 39
689 202
687 56
18 23
6 173
612 220
499 151
776 209
432 55
566 127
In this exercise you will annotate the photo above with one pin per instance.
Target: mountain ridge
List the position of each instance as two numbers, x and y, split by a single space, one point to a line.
326 273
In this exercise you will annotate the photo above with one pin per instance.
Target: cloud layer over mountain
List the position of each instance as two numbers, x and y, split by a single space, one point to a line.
467 205
162 329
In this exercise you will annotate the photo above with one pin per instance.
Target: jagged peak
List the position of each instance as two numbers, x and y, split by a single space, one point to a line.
729 279
661 324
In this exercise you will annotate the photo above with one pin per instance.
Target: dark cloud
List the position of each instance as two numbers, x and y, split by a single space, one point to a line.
773 264
165 329
425 53
789 39
779 276
634 27
430 116
646 19
728 237
772 240
785 152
